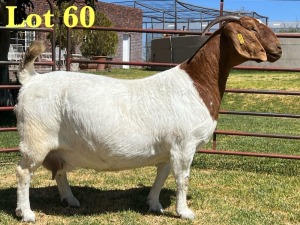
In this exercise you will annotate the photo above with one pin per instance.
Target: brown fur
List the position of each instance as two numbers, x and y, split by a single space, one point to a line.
210 66
35 49
207 81
54 162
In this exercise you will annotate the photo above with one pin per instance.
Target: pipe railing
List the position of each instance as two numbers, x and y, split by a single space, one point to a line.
69 60
220 132
262 135
49 30
140 30
49 63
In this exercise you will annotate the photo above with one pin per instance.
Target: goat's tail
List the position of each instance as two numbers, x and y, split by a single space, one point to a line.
26 67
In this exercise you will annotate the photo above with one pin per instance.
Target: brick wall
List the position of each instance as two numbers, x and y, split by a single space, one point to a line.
125 17
121 16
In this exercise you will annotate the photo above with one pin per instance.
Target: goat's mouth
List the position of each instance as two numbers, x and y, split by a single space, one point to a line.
272 57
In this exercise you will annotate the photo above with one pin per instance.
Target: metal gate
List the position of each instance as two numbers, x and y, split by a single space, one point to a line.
70 60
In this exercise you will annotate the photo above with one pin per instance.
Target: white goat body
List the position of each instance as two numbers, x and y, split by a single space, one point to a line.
108 124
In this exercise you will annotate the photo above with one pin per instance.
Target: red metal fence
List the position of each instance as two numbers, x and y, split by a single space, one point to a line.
69 60
264 135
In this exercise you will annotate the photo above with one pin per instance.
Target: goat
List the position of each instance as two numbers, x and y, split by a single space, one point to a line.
68 120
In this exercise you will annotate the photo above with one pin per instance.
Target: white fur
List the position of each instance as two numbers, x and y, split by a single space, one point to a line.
108 124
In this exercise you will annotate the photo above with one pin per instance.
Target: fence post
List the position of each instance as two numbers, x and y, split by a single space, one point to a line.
53 37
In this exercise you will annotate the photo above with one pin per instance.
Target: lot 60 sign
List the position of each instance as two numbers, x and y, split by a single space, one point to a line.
70 18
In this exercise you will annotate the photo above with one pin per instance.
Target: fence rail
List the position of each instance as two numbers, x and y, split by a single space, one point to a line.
70 60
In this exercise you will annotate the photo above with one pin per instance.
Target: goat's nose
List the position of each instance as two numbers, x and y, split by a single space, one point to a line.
279 49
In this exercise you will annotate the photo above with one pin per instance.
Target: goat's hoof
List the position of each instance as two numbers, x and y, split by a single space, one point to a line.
155 207
27 215
187 214
19 212
70 202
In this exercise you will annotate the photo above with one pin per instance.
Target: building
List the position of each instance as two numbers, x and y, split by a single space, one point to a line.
129 46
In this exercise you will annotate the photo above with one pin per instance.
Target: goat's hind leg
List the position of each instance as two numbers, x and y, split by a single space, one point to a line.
24 171
56 163
163 171
66 195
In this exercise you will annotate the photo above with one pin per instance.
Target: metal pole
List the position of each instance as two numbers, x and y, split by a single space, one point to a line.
53 36
60 35
201 23
163 20
214 147
152 28
175 5
221 7
221 10
68 60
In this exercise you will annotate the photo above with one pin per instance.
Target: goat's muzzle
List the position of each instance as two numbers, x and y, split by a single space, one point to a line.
273 56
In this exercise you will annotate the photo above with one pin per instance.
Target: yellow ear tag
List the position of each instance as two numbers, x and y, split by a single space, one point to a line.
241 39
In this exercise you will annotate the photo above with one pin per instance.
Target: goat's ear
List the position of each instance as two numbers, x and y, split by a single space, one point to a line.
245 42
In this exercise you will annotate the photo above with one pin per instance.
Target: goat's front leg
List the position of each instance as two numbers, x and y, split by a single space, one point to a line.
181 161
163 171
65 192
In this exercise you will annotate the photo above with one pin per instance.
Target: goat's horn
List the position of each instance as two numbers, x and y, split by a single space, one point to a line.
219 20
215 21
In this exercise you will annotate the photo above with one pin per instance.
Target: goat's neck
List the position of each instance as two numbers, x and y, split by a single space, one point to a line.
209 70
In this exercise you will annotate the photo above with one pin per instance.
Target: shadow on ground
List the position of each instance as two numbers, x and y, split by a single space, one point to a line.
93 201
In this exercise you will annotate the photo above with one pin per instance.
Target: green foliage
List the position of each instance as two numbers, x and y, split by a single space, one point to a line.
20 11
97 42
61 30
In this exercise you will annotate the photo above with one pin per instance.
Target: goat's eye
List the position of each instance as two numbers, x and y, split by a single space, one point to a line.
253 29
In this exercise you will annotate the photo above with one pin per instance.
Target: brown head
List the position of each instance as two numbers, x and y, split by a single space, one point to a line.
239 39
252 39
261 36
